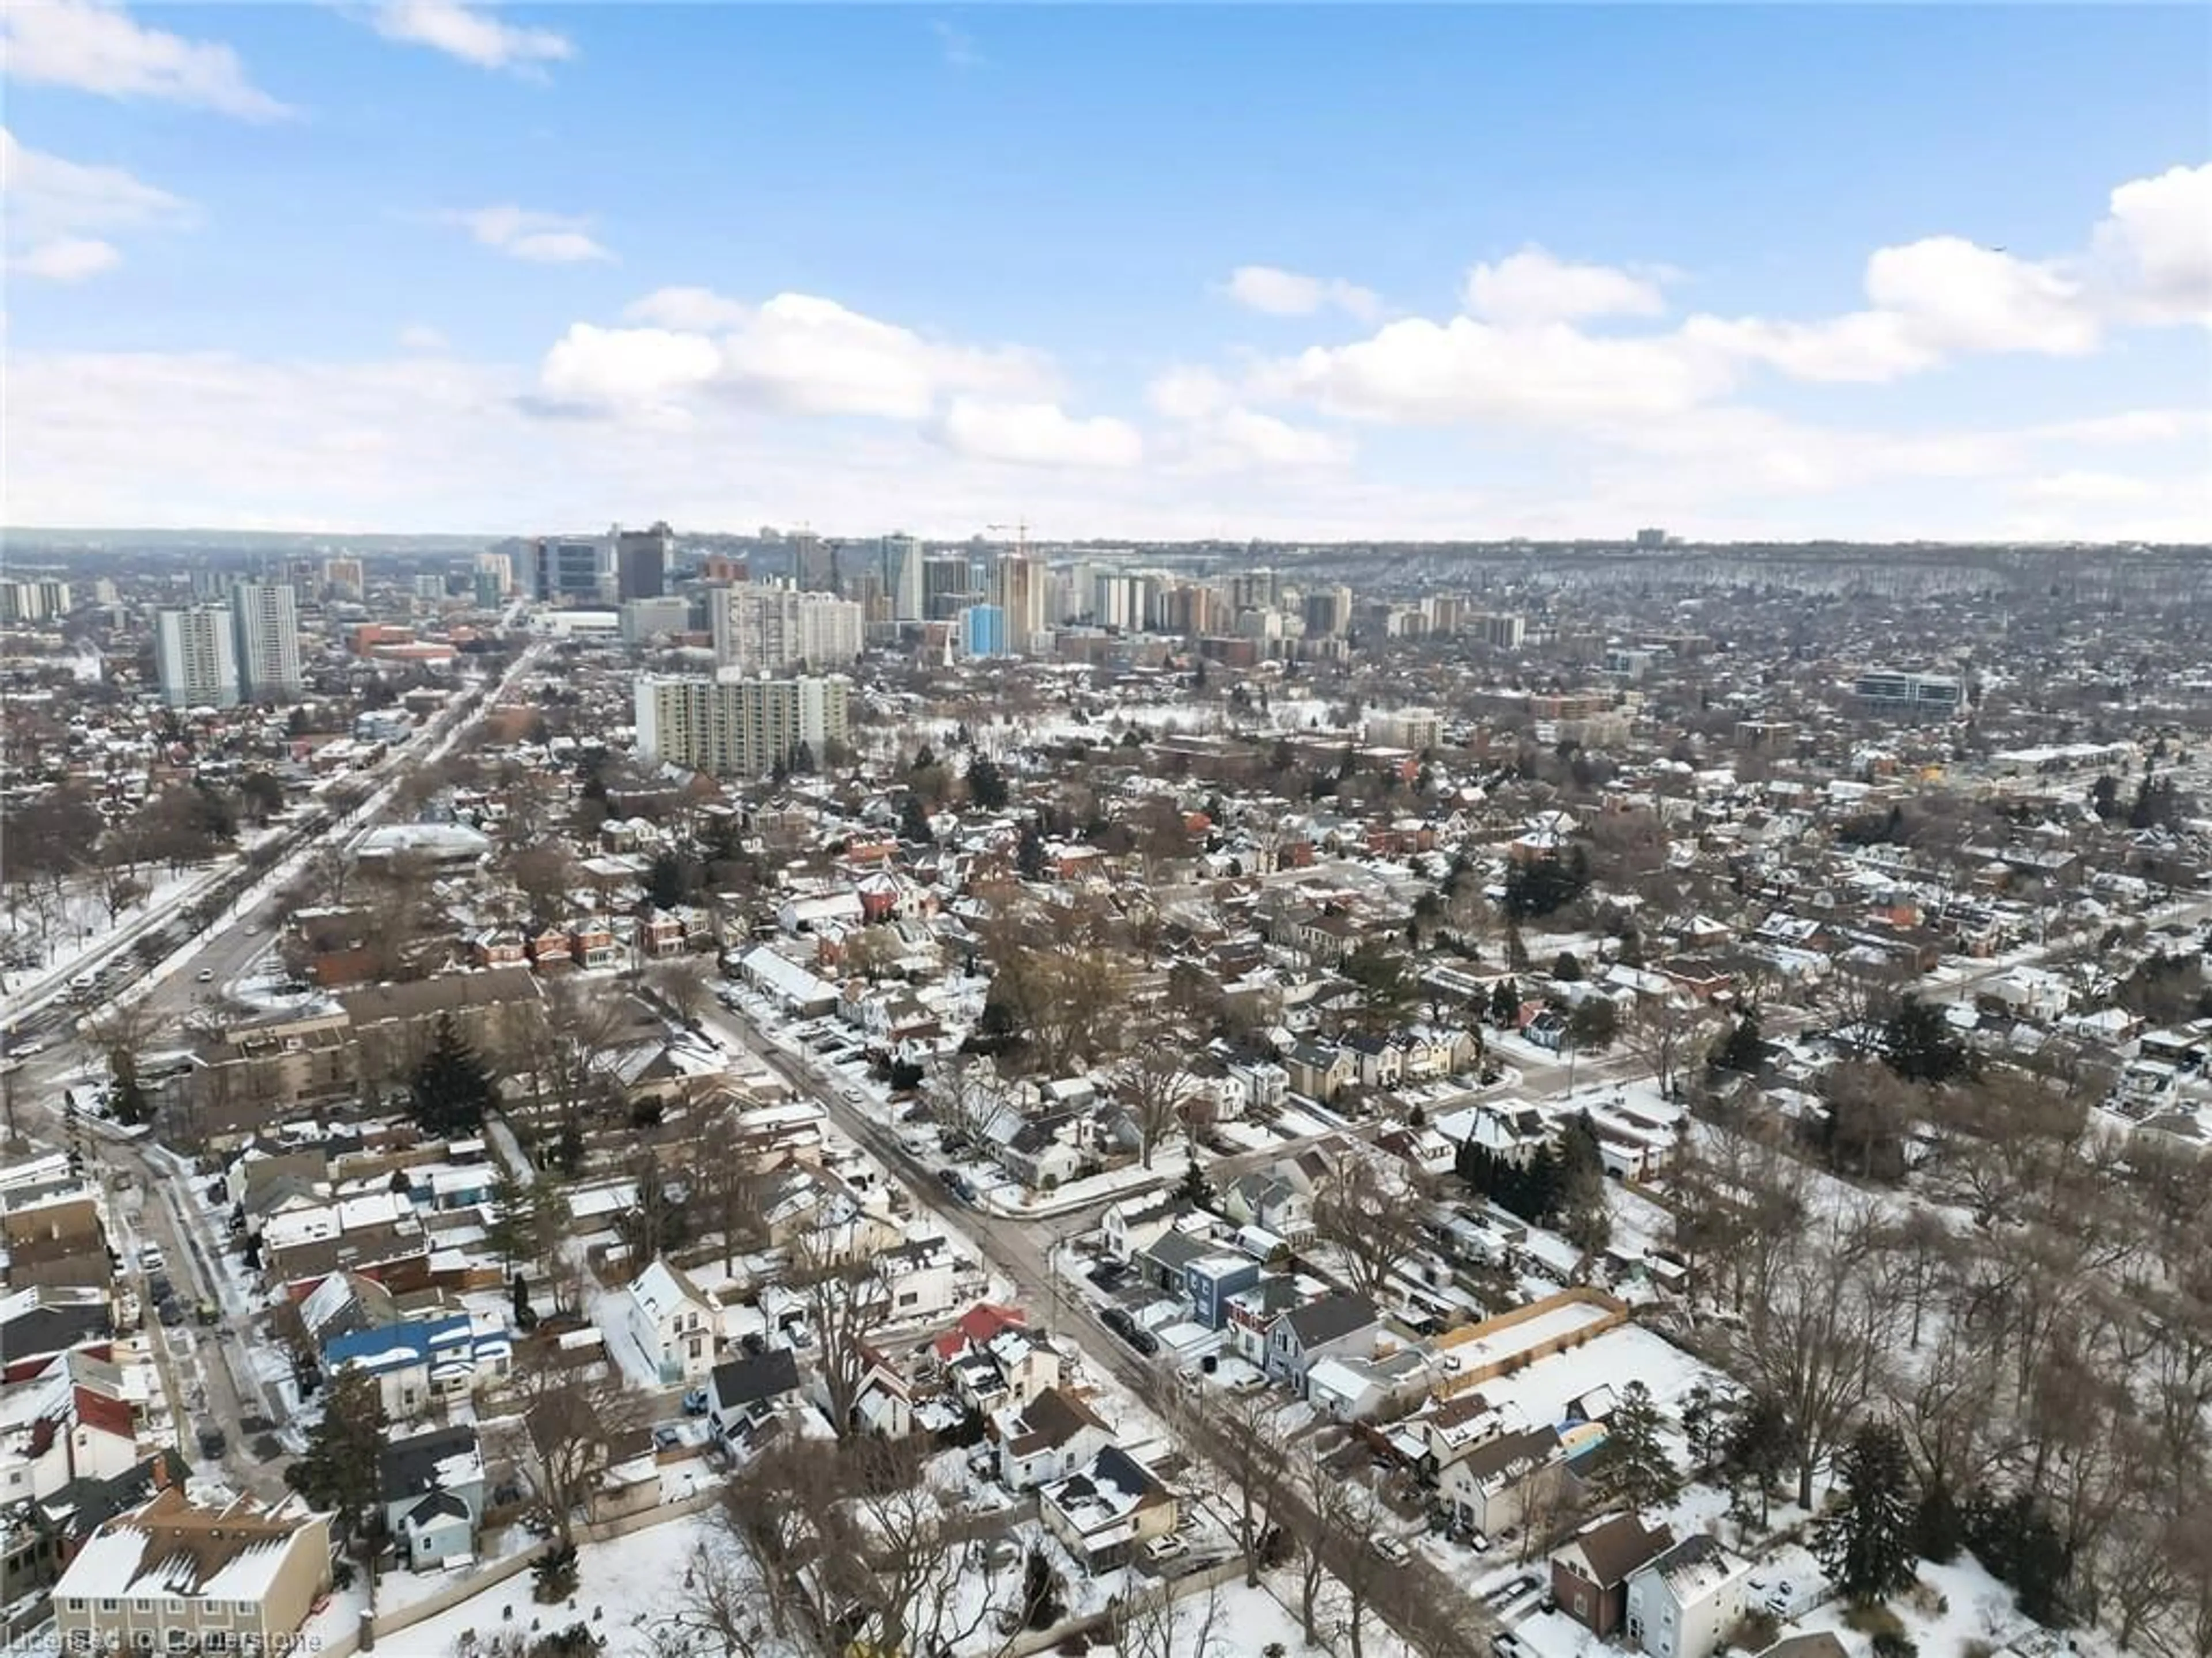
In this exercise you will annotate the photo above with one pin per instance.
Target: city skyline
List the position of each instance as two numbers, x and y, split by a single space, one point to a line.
1305 275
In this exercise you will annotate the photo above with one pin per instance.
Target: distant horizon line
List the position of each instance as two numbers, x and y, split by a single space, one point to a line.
1627 544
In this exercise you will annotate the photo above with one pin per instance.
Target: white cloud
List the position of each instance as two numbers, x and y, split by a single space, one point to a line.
797 352
1189 393
1953 295
100 49
471 35
1219 433
537 238
702 310
1245 437
1286 294
421 337
2087 486
2155 248
437 443
627 368
53 204
1869 346
1418 371
67 259
1532 286
1037 435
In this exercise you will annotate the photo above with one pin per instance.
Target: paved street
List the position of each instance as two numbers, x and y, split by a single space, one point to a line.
207 1369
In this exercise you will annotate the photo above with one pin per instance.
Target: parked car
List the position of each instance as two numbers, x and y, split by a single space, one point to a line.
169 1312
213 1442
1130 1331
696 1402
1390 1549
151 1258
666 1439
208 1313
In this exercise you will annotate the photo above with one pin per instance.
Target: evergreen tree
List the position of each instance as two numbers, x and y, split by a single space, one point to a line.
1505 1004
1939 1526
338 1472
1636 1469
1741 1048
1028 854
2014 1538
1917 1043
665 885
1761 1446
1194 1188
514 1230
453 1088
1580 1204
913 820
987 785
1517 952
569 1148
1867 1545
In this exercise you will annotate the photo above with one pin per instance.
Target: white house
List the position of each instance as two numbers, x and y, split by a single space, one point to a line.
1491 1480
1683 1602
673 1325
1047 1439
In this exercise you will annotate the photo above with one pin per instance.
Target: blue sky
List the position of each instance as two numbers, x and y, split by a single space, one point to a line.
1310 272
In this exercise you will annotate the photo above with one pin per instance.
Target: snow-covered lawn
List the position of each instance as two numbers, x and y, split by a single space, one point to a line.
622 1587
1631 1353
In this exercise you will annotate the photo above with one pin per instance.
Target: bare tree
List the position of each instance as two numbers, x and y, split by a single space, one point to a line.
1819 1339
1666 1032
328 873
965 1096
846 1298
1370 1212
883 1540
1235 1433
1148 1621
1155 1083
575 1419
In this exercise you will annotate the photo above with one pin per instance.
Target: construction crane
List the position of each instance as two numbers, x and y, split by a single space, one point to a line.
1021 529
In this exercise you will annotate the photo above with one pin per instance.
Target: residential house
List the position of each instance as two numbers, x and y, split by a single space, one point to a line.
1378 1061
1106 1509
1271 1202
1047 1439
1130 1226
433 1486
1681 1603
1354 1389
1265 1084
1212 1279
1043 1153
991 1361
172 1576
1319 1071
591 943
1494 1483
1335 1325
1590 1570
672 1323
742 1394
421 1362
